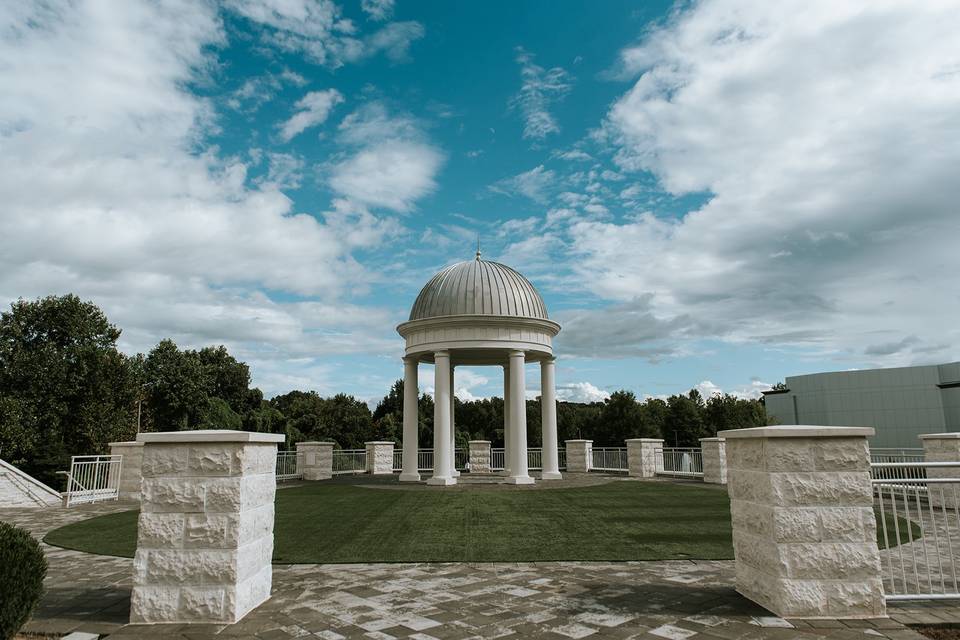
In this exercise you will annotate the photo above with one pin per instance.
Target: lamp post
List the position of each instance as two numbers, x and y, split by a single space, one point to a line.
140 402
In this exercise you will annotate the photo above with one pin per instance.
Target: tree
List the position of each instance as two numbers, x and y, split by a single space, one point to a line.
684 426
65 389
177 395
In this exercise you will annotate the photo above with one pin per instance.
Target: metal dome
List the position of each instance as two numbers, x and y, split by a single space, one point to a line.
478 287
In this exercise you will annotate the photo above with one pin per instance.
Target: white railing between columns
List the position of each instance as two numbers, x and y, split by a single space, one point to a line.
92 479
562 458
349 461
681 462
609 459
883 454
917 506
289 465
498 460
534 458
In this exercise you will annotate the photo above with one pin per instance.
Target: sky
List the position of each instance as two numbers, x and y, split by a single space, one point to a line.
710 194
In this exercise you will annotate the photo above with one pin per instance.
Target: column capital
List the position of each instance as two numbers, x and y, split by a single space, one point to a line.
411 360
517 354
550 360
441 354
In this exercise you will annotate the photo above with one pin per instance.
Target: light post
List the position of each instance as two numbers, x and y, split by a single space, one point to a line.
140 402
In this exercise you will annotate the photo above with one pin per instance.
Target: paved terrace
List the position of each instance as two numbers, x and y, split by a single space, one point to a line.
676 600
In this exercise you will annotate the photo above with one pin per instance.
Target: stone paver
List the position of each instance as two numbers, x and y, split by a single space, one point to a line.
650 600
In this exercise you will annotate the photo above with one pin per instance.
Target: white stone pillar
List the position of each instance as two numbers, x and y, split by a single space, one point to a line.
643 460
804 531
942 447
441 421
506 420
379 458
548 419
714 451
205 534
578 455
518 420
315 459
411 421
453 426
129 481
479 456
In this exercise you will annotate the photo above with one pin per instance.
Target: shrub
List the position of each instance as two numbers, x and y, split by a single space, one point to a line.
22 569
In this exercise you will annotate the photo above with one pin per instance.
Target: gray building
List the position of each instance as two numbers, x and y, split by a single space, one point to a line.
899 403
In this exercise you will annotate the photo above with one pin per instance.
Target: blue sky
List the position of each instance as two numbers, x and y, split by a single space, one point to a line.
707 194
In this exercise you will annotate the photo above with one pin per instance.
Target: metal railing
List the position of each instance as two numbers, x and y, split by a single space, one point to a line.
883 454
349 461
535 459
562 458
498 459
680 462
425 459
289 465
92 479
917 506
609 459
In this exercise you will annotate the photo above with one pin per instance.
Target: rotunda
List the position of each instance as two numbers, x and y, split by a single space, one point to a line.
478 313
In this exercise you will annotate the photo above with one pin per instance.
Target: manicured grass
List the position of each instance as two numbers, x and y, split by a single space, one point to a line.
343 523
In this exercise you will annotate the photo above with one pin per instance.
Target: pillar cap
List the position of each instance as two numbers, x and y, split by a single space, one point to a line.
644 440
129 443
949 435
324 442
591 441
390 442
712 439
798 431
210 435
478 442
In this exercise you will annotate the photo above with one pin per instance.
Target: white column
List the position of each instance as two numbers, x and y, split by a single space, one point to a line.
453 427
441 421
548 420
411 420
507 460
518 421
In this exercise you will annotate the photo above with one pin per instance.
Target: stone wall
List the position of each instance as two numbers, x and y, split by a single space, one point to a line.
578 455
316 460
942 447
714 452
205 534
18 489
642 457
379 457
130 475
804 532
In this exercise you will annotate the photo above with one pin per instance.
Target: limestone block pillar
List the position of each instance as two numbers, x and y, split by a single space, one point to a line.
550 462
942 447
379 458
205 534
579 453
411 421
644 457
804 532
479 456
129 481
316 459
714 460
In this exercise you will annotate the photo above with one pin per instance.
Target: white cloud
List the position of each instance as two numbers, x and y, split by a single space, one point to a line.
826 136
109 192
581 392
377 9
752 391
284 171
393 166
534 184
312 109
539 90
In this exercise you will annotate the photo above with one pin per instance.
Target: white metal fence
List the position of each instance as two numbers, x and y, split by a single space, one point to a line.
289 465
349 461
498 459
609 459
92 479
680 462
917 505
883 454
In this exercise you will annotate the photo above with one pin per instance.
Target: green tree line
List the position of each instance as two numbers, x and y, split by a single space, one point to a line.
66 389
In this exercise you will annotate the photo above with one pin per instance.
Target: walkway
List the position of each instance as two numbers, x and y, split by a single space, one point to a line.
676 600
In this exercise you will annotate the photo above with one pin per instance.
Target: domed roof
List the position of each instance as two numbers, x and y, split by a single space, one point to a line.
478 287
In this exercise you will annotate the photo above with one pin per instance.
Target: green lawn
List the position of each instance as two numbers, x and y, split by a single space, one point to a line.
343 523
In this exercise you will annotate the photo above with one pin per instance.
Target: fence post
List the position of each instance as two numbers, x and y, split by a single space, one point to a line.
129 482
205 534
642 456
316 459
479 456
578 455
942 447
379 458
804 531
714 452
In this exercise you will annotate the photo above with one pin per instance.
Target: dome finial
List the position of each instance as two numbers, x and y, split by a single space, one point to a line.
478 246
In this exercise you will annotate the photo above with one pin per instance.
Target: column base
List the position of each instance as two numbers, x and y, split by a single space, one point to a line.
551 475
520 480
409 477
455 474
441 481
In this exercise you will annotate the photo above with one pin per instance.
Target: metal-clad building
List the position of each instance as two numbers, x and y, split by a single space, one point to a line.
899 403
